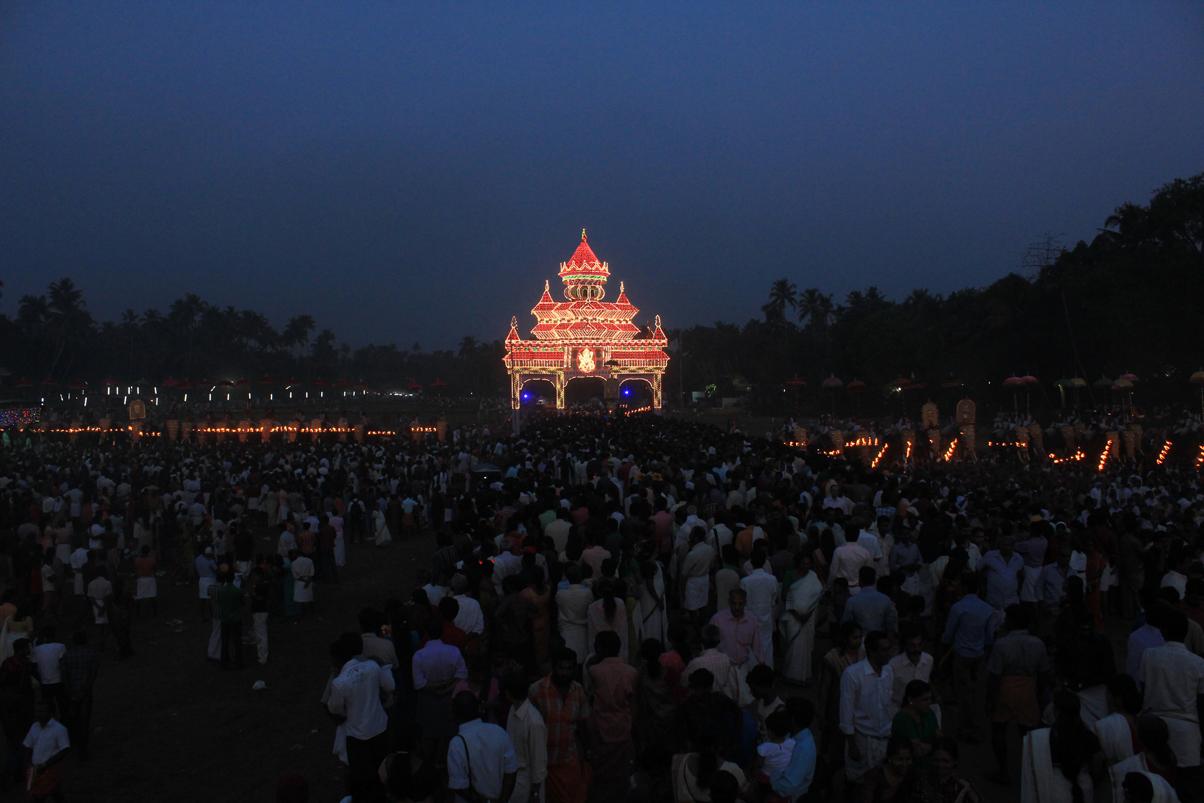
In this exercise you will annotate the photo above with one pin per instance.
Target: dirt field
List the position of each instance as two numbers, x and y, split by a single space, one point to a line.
171 726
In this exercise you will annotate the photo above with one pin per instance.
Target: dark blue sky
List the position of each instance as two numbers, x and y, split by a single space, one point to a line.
410 173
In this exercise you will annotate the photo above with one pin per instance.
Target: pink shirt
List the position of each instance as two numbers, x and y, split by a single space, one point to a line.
738 637
614 684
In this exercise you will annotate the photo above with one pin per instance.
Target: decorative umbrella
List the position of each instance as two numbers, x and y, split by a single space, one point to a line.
952 384
1014 382
414 386
1122 384
438 383
1128 377
1078 382
855 386
1103 383
796 381
832 383
1029 379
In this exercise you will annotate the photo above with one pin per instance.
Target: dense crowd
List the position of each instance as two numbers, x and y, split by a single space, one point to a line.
639 608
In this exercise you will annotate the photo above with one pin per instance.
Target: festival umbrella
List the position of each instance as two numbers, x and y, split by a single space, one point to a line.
796 381
855 388
1124 387
1029 382
1014 382
953 384
833 383
438 383
414 386
24 382
1103 383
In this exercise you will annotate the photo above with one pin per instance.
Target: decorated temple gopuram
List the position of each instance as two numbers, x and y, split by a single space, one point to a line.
586 336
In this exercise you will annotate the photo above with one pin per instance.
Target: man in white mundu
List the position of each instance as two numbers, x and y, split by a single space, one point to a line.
695 572
1172 682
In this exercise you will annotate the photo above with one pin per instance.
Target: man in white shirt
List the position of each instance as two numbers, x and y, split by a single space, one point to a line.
763 592
47 742
1172 682
912 663
572 611
847 560
865 702
481 762
358 694
717 662
558 530
48 657
529 735
470 619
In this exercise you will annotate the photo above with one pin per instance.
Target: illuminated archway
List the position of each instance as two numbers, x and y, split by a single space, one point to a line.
585 390
586 336
538 392
636 391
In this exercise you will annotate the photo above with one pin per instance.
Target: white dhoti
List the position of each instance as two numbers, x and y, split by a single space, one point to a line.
1185 737
765 628
522 788
203 585
214 650
259 624
698 592
1040 781
798 648
873 752
1029 589
146 588
1115 738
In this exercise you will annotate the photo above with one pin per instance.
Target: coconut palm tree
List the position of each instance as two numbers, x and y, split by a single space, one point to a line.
782 294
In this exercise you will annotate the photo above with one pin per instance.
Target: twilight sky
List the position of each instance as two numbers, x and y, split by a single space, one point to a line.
414 171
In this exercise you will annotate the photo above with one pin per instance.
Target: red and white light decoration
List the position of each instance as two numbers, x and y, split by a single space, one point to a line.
585 336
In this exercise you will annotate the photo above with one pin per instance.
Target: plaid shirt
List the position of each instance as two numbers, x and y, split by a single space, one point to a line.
80 665
561 713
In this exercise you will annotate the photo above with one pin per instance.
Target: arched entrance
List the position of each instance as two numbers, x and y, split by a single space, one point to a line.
538 393
635 392
585 391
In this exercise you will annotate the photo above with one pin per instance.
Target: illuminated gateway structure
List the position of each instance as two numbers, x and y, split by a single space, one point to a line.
584 337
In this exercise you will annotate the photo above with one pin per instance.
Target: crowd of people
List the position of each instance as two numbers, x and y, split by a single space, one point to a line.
640 608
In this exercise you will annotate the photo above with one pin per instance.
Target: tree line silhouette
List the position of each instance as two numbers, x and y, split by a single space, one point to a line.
1128 300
